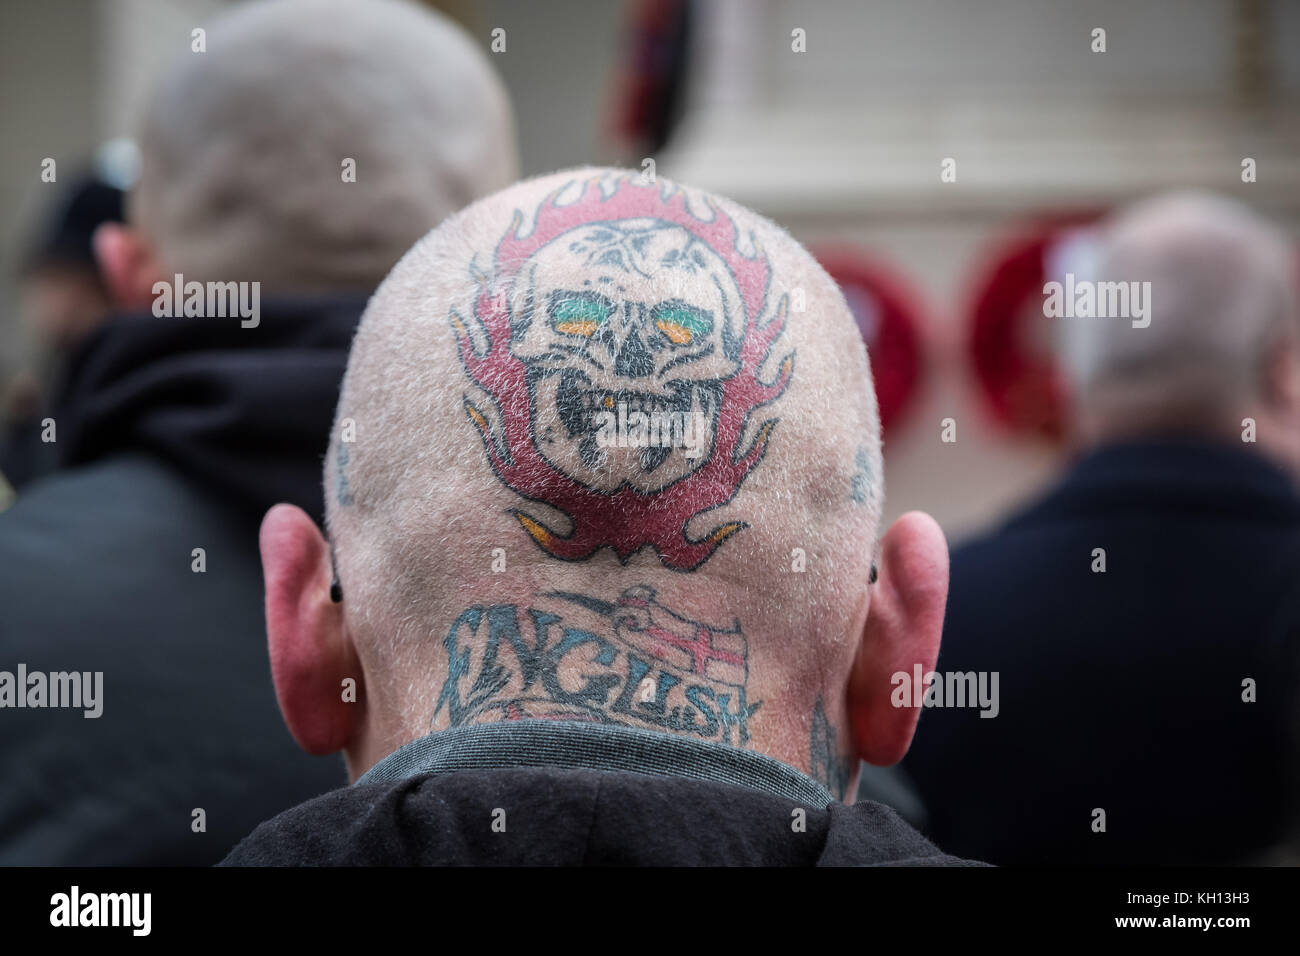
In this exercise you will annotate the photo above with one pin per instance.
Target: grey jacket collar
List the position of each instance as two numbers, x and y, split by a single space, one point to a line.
590 746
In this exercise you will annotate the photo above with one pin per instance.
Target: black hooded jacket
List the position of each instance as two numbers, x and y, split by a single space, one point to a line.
139 560
567 817
246 411
549 792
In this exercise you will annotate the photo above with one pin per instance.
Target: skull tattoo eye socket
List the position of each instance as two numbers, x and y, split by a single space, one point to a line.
681 322
582 313
579 313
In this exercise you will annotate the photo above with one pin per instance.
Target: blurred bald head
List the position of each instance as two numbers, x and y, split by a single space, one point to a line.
244 146
607 450
1223 315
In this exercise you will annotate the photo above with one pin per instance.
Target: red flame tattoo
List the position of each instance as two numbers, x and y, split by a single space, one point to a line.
626 519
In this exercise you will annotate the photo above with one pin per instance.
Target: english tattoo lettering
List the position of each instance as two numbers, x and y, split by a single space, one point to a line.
578 657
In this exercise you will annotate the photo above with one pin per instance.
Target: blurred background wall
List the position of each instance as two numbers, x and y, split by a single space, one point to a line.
840 142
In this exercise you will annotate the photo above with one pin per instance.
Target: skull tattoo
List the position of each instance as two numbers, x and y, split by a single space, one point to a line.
624 306
599 341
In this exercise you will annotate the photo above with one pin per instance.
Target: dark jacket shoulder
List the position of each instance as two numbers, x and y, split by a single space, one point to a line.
139 561
549 817
1122 613
98 573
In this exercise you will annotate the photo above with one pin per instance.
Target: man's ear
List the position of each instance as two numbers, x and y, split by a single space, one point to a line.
1282 375
127 265
311 654
903 628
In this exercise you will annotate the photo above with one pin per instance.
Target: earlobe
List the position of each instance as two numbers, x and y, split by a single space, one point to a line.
311 654
903 629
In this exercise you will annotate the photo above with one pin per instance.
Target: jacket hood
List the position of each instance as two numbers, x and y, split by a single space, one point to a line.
246 411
